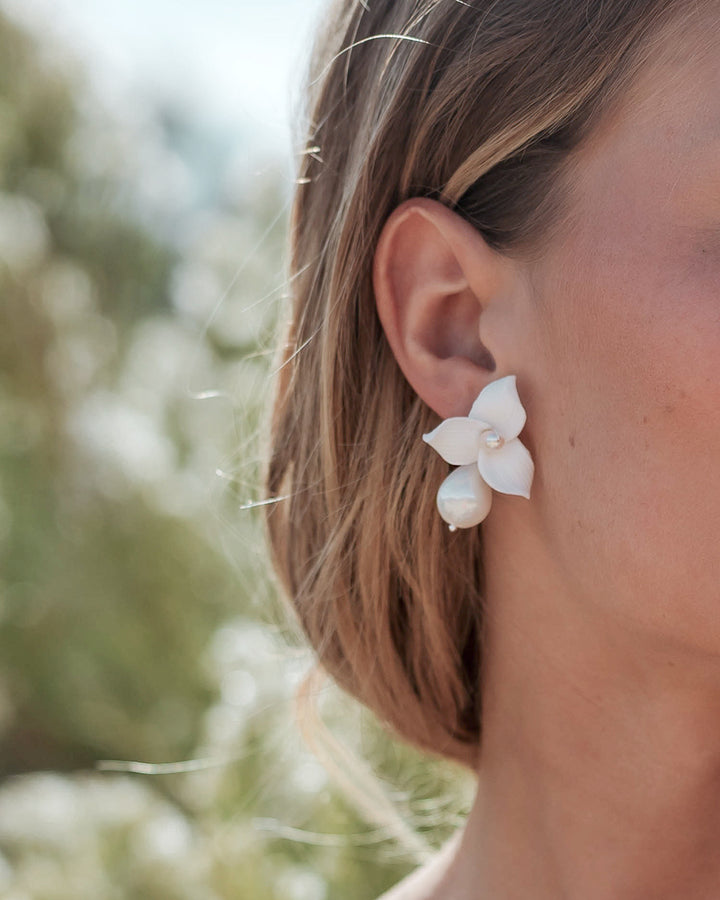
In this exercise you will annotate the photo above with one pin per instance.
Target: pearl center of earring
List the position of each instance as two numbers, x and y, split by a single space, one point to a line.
492 439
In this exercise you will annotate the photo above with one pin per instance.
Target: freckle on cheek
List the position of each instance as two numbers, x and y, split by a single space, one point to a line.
571 440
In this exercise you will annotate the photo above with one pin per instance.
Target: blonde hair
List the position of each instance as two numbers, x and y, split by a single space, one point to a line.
478 105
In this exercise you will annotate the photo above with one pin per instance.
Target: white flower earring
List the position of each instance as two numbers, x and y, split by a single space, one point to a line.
486 448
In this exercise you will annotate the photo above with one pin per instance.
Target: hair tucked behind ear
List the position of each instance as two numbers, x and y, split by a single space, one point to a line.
477 104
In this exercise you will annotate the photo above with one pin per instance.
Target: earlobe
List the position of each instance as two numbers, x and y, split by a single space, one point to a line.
434 277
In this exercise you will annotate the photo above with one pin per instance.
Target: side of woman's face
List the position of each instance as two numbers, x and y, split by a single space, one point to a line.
624 330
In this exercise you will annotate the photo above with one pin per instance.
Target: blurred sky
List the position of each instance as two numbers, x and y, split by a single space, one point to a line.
234 63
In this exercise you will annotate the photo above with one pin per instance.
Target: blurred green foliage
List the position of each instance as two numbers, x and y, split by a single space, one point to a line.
137 618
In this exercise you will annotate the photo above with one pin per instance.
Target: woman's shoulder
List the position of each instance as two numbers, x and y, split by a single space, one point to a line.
429 881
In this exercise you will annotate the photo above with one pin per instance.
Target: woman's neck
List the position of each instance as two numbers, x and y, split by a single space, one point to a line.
600 766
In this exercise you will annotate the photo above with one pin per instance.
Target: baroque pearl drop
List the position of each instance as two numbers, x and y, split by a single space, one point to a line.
463 499
492 440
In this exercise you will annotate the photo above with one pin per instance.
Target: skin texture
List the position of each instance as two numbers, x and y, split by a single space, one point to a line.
600 769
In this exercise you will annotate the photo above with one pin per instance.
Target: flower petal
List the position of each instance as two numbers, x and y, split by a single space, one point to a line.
457 440
464 499
498 403
508 469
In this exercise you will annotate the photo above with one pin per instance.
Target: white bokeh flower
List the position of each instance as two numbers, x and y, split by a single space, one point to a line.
485 446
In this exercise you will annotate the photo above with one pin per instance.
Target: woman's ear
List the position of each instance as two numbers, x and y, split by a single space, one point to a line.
437 285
